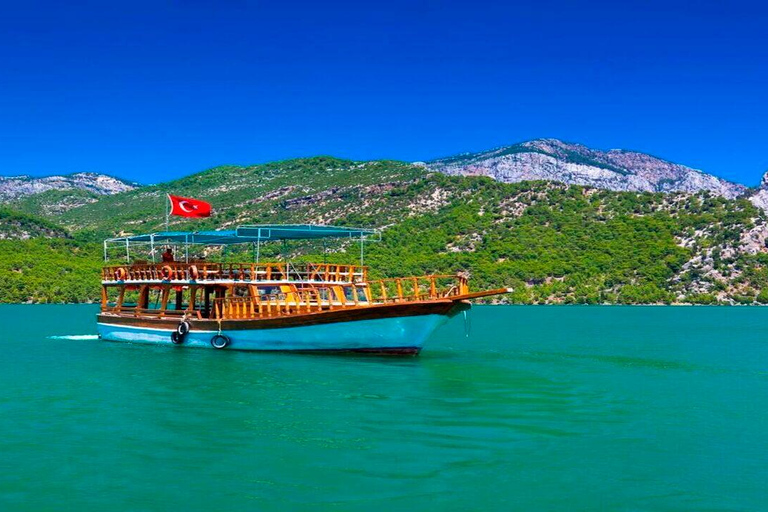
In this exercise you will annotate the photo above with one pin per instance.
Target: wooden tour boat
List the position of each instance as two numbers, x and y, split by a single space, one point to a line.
270 306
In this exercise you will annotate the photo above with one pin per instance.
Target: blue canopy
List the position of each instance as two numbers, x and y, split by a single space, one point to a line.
249 234
301 232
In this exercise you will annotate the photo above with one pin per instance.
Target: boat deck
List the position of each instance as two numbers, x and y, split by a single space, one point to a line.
246 291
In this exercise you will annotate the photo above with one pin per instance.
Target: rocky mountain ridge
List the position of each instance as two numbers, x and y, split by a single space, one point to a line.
759 197
576 164
17 187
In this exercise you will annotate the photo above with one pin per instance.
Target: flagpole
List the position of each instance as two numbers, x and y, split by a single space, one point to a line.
167 210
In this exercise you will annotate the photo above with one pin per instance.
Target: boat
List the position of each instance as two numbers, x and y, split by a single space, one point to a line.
269 306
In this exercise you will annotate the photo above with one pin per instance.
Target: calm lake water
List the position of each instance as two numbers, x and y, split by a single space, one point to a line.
541 408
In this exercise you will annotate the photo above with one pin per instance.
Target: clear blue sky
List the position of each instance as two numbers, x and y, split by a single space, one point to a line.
156 90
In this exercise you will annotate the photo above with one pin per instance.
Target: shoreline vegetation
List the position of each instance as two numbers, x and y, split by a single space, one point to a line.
552 243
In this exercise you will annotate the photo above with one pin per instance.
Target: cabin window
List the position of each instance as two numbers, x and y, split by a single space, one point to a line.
273 291
361 294
240 291
323 294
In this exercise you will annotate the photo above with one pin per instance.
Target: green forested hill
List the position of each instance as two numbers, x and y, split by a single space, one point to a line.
552 243
242 194
16 225
52 203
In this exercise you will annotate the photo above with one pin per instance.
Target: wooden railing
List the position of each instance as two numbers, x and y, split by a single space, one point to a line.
150 312
405 289
313 299
267 306
248 272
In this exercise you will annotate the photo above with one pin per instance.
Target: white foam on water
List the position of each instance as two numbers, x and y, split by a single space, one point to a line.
76 337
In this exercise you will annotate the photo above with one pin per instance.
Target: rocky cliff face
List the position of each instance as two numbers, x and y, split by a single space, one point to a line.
574 164
16 187
759 197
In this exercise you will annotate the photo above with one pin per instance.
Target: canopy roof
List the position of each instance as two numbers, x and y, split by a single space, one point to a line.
250 234
301 232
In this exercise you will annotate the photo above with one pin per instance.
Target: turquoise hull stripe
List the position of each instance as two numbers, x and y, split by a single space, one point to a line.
385 333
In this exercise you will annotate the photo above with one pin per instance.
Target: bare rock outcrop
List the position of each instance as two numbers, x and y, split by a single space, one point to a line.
17 187
575 164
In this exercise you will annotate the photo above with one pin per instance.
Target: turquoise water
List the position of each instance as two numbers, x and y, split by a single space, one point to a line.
541 408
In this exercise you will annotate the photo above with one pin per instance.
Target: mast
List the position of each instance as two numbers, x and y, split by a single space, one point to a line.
167 210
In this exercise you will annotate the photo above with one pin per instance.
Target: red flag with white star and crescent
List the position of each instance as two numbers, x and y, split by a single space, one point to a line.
188 207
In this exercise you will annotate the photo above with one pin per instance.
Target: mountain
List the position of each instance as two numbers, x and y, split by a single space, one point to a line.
17 187
575 164
759 197
52 203
551 242
300 190
20 226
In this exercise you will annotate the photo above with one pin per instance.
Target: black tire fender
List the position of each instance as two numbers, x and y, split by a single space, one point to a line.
176 338
183 328
220 341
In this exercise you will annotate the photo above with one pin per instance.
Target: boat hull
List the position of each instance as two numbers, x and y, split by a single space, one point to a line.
402 331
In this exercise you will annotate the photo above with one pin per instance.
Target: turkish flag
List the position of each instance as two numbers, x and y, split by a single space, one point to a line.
188 207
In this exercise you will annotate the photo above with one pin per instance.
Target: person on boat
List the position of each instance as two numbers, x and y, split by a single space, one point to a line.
168 256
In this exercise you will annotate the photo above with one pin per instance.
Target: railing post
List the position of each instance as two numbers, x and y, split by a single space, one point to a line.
432 287
463 285
399 289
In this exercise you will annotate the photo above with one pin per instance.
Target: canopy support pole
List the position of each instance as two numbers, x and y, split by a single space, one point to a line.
258 249
152 247
127 251
105 251
362 257
186 248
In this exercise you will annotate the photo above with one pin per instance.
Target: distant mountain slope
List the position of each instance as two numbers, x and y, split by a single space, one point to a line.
575 164
21 226
52 203
300 190
16 187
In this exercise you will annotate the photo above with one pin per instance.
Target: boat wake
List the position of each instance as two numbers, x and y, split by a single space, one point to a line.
75 337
